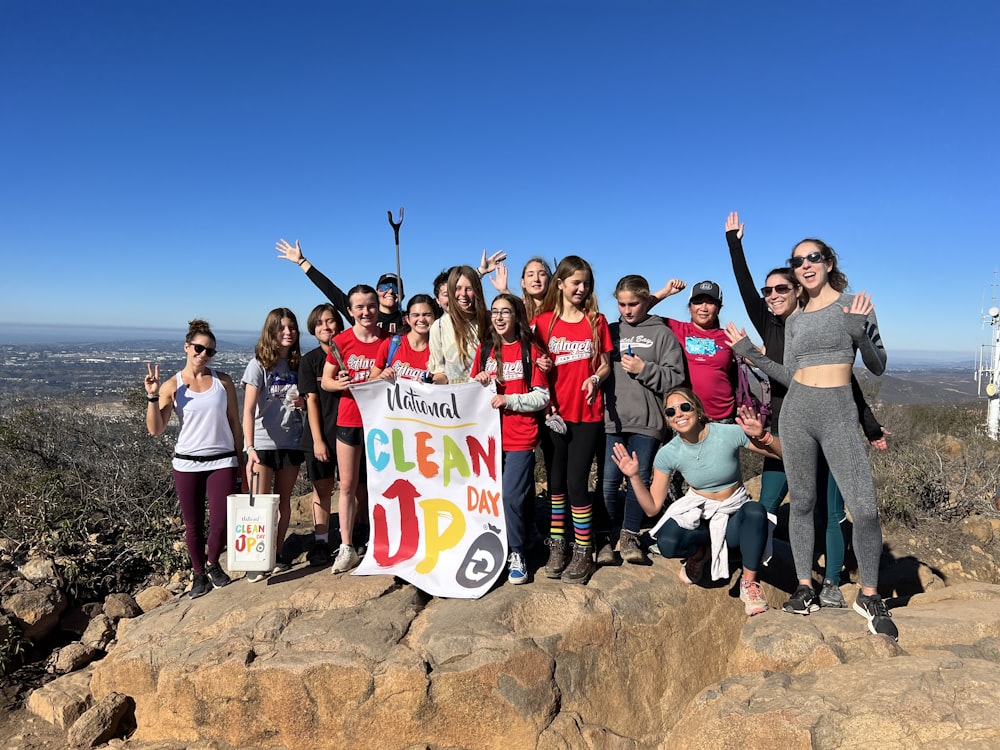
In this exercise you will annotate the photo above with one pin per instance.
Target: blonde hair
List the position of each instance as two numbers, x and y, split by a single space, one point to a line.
532 308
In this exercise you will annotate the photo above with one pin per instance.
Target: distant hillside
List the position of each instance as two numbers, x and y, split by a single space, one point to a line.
921 386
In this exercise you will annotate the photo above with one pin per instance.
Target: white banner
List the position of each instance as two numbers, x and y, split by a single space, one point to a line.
433 456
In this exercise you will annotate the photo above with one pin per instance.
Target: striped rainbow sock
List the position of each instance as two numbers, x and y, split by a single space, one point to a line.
557 524
583 521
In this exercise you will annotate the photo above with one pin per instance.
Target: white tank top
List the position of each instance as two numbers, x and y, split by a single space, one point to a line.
205 428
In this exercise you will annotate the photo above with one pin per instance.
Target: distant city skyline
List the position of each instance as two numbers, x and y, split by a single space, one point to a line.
157 151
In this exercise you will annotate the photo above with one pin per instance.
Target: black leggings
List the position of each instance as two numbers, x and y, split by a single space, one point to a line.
572 455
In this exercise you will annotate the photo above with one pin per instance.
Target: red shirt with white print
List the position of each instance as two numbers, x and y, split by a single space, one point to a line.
518 429
359 358
407 363
571 346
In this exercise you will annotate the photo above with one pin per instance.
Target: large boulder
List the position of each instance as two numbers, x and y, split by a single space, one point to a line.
36 611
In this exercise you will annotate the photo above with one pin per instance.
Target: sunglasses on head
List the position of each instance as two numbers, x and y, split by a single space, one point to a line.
779 288
684 406
796 261
202 349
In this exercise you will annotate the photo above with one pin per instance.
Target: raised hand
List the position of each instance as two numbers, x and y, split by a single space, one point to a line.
626 463
733 222
489 264
288 252
749 420
735 334
673 286
499 279
861 304
152 380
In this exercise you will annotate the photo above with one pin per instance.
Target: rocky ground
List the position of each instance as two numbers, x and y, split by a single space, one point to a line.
549 665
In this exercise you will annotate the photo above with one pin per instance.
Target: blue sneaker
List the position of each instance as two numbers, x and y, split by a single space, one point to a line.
518 570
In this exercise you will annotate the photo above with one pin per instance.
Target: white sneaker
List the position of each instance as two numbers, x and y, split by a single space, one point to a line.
518 570
347 558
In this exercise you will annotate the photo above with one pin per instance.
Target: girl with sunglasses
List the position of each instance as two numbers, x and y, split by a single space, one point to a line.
405 355
716 514
206 462
768 312
819 416
576 336
351 358
522 389
272 419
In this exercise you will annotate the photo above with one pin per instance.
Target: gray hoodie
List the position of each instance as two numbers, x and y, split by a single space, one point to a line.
634 403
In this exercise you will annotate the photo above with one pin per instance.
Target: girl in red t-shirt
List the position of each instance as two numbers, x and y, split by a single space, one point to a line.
520 392
404 356
576 336
352 355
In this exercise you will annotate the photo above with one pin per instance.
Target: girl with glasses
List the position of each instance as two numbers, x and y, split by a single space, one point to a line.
769 310
819 417
506 359
576 336
351 358
272 419
206 462
716 514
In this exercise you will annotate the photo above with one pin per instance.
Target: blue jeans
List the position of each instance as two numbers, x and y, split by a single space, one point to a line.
645 448
518 484
746 530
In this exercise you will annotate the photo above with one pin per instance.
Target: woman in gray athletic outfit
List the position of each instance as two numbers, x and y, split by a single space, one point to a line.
821 342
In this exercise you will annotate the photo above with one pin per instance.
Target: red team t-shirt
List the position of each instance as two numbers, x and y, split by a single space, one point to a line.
711 366
519 430
407 363
359 358
571 346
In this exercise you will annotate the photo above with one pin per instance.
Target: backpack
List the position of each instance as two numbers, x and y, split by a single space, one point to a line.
746 392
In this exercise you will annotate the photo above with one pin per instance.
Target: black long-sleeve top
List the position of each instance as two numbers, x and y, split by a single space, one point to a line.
339 299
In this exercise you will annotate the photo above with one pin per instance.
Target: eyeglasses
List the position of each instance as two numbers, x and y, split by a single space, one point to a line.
200 349
796 261
388 288
779 288
684 406
504 312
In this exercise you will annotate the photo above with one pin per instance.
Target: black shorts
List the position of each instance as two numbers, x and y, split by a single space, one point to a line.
353 436
281 458
319 470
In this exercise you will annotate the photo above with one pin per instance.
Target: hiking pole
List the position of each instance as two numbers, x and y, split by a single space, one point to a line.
395 230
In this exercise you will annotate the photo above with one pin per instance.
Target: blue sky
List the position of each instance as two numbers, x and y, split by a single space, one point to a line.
155 151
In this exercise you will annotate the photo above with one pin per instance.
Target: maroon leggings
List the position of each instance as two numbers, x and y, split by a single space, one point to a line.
192 488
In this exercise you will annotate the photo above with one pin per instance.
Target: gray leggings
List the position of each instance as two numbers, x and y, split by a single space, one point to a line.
826 419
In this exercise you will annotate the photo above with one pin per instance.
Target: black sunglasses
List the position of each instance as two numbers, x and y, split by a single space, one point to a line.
684 406
200 348
779 288
796 261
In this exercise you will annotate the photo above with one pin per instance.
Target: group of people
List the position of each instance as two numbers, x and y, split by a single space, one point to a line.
651 400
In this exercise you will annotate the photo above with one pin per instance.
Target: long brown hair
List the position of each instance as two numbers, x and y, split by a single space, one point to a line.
471 328
836 277
554 299
522 334
531 307
268 349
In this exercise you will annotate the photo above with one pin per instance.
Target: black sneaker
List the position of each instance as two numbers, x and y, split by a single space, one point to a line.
873 609
319 555
199 586
803 601
217 575
281 565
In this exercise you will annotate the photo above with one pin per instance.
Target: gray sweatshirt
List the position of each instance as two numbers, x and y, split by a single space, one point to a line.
634 403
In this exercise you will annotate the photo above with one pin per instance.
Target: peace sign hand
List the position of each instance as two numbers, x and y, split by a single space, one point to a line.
152 380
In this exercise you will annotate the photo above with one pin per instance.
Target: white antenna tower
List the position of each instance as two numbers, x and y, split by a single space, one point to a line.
992 371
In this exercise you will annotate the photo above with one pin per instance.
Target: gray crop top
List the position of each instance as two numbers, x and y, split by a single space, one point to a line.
828 336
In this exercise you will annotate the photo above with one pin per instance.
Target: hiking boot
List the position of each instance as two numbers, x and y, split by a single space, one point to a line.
605 551
630 550
694 567
830 596
256 576
803 601
752 596
557 557
873 609
581 567
319 555
518 570
347 558
199 585
217 575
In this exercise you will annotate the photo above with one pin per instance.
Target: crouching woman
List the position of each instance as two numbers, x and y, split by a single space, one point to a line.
716 514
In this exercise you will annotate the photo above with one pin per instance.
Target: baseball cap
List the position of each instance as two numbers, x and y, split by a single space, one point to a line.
391 278
707 289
